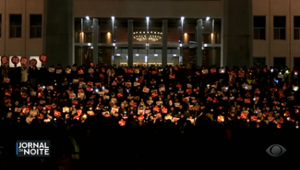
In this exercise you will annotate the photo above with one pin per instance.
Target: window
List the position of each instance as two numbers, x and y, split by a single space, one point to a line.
259 27
259 61
15 25
297 27
0 24
296 62
279 27
36 26
279 62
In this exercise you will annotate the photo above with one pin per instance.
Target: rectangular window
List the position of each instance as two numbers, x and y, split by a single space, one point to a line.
35 26
259 27
0 24
296 27
296 62
279 27
15 25
279 62
259 61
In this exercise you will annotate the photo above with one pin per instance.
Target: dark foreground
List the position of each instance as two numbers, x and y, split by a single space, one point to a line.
106 145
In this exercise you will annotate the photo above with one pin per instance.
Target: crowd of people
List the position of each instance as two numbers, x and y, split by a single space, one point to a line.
140 96
148 95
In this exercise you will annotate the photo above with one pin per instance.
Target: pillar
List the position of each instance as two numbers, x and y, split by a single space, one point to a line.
237 22
164 57
130 43
199 42
113 40
58 32
213 56
95 41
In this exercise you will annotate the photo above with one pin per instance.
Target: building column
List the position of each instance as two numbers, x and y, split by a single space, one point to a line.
95 41
130 43
199 42
57 41
237 22
213 38
164 57
213 56
113 40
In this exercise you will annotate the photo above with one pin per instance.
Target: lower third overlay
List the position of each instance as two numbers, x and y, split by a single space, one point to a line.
33 148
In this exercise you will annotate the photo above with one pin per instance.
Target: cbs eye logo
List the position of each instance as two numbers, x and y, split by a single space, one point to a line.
276 150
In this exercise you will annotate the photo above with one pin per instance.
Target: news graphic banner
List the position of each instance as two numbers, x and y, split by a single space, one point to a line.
33 148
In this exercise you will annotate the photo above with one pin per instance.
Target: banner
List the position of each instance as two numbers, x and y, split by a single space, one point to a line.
24 60
4 60
43 58
33 62
146 90
15 60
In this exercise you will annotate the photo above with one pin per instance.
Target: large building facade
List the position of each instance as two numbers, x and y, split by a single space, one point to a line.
159 32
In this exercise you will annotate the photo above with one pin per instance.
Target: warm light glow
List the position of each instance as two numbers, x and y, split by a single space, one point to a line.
108 37
81 35
185 38
150 36
212 38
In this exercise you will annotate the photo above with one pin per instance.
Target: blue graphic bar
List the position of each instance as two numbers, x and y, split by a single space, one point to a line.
17 148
